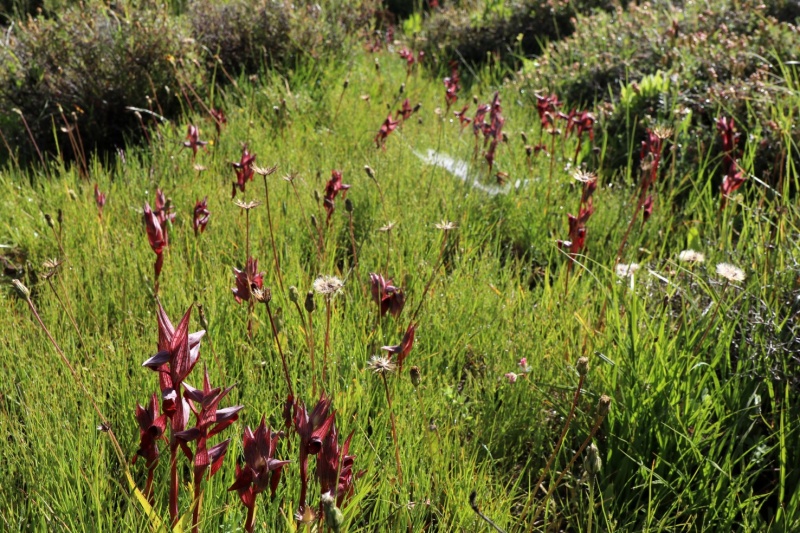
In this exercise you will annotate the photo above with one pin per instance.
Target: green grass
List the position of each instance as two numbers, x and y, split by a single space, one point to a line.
702 432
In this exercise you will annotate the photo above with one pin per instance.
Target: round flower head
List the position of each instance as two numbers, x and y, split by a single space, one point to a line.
691 256
730 272
445 225
381 364
626 271
328 286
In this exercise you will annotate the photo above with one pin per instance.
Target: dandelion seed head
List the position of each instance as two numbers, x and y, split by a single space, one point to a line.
247 205
445 225
691 256
381 364
625 271
328 286
583 176
388 227
730 272
264 171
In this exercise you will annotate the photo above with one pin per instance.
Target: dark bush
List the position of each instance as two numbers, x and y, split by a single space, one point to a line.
92 62
511 30
248 36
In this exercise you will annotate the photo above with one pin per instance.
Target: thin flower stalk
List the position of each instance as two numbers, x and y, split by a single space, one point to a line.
265 173
394 429
446 227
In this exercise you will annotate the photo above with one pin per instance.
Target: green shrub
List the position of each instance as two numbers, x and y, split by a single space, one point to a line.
93 62
712 60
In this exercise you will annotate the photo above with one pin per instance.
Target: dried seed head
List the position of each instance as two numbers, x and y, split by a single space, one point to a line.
402 88
388 227
22 289
691 256
314 221
592 463
524 137
730 272
263 296
316 196
328 286
369 171
582 366
662 132
445 225
415 375
261 171
52 267
333 516
603 405
294 295
203 320
626 271
348 205
49 220
346 84
310 304
381 364
247 206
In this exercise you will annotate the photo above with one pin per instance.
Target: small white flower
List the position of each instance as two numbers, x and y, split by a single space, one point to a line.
328 286
445 225
691 256
730 272
626 271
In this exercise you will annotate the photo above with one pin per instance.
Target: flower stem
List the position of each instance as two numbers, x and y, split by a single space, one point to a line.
394 430
436 267
272 236
311 354
327 338
280 350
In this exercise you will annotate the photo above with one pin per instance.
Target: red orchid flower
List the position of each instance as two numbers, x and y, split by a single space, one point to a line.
547 108
219 119
210 422
99 200
410 58
452 84
151 428
480 116
577 230
647 209
201 216
387 127
164 211
312 428
734 177
463 119
155 235
335 467
332 189
390 299
244 170
247 280
260 470
404 348
193 140
406 111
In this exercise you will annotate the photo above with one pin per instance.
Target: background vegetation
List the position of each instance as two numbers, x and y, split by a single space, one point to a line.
702 371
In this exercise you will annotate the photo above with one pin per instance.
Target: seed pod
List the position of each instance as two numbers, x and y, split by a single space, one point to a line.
294 295
348 205
369 171
603 405
582 366
22 289
49 220
592 463
311 306
415 375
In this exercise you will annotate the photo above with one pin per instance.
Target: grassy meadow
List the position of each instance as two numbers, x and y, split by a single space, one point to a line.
521 340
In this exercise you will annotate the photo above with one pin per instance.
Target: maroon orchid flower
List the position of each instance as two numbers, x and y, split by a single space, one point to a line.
390 299
452 85
332 189
387 127
151 428
178 352
410 58
406 111
734 177
260 470
462 117
547 108
193 140
219 119
480 117
312 428
201 216
99 200
402 350
164 211
577 231
210 421
244 170
647 209
156 237
335 467
247 280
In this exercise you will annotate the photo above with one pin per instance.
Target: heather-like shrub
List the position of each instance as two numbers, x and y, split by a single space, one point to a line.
93 62
248 36
506 30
